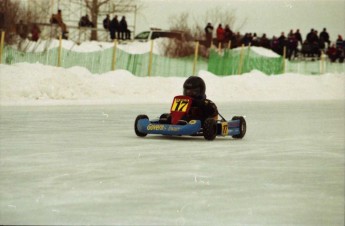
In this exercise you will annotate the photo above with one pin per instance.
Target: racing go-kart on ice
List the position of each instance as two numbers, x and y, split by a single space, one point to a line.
175 123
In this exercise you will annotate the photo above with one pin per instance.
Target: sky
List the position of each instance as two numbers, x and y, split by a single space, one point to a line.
260 16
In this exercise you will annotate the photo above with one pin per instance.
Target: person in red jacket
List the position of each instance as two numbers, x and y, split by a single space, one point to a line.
220 34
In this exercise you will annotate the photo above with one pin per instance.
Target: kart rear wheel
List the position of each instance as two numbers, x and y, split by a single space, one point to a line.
210 129
137 132
243 127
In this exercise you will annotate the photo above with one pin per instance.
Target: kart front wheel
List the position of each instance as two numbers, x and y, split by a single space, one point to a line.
243 127
137 132
210 129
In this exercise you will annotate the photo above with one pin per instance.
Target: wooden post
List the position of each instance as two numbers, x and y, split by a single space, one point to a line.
322 61
284 57
59 51
195 56
241 59
2 45
229 44
150 59
113 65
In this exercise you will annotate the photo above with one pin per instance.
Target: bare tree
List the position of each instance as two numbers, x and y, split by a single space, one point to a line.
196 30
11 13
101 7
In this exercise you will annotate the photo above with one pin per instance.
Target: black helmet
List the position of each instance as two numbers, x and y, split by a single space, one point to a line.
194 87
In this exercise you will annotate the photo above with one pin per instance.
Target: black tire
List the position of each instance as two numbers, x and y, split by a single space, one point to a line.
210 129
139 134
243 127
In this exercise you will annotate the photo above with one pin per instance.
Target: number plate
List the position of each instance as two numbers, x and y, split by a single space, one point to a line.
180 105
179 108
225 128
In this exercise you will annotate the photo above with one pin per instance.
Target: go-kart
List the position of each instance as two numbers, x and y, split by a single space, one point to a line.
173 123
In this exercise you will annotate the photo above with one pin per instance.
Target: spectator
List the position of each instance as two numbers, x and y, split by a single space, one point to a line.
22 29
292 44
85 21
209 33
324 37
264 42
35 32
332 53
290 33
227 34
275 44
57 19
236 40
220 34
254 40
340 45
281 43
312 37
298 37
125 33
246 40
106 22
114 28
339 42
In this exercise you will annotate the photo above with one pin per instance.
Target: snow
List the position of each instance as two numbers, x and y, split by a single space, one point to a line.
37 84
27 84
133 47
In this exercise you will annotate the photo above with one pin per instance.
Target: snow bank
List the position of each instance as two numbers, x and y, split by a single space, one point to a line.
134 47
27 84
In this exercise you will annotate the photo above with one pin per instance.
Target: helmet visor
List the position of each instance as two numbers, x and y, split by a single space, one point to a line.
192 92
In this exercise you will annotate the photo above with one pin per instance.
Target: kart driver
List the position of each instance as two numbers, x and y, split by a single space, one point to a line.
201 108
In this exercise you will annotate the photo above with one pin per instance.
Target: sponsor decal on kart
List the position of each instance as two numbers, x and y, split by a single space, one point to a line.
192 122
155 127
173 128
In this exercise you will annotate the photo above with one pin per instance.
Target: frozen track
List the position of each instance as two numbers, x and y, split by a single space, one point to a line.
84 165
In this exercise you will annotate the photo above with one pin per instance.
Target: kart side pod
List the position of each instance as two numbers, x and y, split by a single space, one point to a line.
210 129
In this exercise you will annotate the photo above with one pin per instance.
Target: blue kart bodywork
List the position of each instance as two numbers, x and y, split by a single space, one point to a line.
194 128
173 123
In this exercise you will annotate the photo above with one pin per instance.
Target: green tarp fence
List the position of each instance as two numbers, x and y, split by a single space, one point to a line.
237 61
101 61
227 62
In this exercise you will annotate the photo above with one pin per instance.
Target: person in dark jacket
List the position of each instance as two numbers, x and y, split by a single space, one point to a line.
113 28
202 108
264 42
106 22
281 43
85 22
125 33
227 34
324 37
298 36
209 34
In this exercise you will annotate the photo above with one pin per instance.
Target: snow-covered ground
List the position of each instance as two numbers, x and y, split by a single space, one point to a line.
25 83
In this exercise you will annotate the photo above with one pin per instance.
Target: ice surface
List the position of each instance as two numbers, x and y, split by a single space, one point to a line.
84 165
